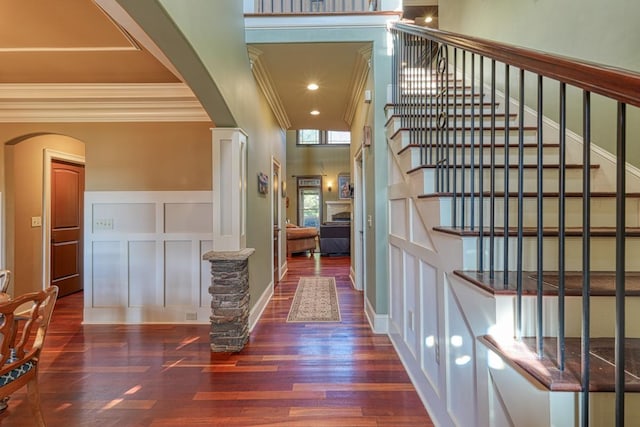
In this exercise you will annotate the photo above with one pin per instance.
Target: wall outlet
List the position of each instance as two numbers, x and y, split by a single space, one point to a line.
36 221
103 224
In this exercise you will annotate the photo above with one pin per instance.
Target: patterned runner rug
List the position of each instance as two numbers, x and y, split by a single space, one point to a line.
316 300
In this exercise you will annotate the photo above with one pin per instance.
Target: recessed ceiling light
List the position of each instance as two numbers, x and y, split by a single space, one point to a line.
315 112
312 86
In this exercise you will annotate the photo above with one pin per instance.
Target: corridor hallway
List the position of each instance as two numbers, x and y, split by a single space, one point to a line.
289 374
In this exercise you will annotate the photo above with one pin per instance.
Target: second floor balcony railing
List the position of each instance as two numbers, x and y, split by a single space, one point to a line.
310 6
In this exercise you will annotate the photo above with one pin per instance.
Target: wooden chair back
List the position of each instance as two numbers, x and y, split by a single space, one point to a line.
5 280
23 326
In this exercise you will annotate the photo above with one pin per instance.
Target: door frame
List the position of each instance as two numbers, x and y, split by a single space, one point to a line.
276 187
48 157
359 231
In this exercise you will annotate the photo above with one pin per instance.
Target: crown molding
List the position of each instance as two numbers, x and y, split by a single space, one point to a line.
49 103
358 82
262 76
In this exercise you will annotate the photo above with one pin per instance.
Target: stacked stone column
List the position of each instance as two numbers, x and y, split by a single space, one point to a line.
229 299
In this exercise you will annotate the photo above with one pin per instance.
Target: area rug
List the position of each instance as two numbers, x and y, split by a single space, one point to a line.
316 300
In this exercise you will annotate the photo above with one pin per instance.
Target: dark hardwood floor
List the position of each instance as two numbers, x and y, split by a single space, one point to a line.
289 374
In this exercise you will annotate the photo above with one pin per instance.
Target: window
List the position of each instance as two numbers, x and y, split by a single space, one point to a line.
338 137
323 137
309 201
309 136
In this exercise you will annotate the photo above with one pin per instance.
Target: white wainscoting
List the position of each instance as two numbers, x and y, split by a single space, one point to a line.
143 256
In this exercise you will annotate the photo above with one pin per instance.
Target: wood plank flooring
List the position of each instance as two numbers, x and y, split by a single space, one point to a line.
289 374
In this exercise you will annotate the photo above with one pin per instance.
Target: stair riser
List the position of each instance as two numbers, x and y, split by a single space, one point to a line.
411 157
415 112
431 122
423 181
602 253
601 308
602 211
406 137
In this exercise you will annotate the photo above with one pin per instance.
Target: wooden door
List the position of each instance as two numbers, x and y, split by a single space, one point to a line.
67 192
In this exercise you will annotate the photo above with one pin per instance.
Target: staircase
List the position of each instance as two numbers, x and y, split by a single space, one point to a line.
512 301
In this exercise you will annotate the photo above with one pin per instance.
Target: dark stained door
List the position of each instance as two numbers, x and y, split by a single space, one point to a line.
67 192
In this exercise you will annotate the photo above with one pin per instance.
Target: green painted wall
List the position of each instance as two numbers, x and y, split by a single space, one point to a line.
595 31
215 32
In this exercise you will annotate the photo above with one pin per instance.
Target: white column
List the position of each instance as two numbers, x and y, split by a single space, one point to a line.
229 189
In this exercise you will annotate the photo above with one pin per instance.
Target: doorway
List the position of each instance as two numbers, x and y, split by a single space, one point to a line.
310 201
67 201
358 217
276 208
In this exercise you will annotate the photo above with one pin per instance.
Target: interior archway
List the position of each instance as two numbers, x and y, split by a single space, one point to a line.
26 165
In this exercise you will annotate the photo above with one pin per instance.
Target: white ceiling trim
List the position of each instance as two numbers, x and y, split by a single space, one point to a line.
358 81
99 103
94 90
67 49
262 76
134 32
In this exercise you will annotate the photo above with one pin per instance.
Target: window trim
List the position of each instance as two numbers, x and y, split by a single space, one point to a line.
323 139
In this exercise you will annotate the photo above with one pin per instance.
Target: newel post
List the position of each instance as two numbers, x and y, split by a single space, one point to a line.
230 257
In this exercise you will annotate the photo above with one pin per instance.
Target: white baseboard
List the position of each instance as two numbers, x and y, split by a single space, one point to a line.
379 322
259 306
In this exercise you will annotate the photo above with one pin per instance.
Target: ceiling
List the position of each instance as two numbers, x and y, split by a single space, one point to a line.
45 43
80 43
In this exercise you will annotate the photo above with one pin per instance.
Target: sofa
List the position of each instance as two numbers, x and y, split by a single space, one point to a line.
301 239
335 238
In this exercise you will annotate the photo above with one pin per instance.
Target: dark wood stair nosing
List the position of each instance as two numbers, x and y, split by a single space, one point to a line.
522 356
533 232
528 194
511 166
602 283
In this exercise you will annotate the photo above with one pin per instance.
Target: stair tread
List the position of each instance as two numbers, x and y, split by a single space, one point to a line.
522 354
486 127
511 166
488 145
533 231
531 194
602 283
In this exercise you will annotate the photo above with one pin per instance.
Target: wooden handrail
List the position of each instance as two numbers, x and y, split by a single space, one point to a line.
615 83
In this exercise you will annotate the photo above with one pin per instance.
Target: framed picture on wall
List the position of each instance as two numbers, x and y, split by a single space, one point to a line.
344 188
263 183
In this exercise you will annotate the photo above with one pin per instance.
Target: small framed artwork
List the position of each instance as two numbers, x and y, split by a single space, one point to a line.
366 136
263 183
344 188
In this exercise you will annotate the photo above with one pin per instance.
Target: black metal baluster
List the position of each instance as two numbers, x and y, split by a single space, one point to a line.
560 345
432 101
472 174
411 66
446 141
621 154
462 142
540 227
492 179
520 239
481 171
505 210
455 138
585 342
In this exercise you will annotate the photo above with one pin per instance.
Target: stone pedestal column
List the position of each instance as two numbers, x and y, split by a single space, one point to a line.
229 299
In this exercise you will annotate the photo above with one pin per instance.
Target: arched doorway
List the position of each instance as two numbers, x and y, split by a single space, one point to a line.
28 205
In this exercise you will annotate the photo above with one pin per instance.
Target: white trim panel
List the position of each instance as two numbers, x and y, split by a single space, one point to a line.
143 256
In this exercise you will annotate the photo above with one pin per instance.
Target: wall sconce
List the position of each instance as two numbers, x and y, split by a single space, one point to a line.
329 187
